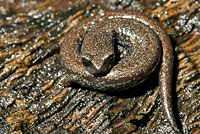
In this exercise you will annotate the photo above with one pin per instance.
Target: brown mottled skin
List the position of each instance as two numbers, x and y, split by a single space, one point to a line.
118 50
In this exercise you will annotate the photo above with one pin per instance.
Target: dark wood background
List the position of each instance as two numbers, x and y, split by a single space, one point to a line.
33 98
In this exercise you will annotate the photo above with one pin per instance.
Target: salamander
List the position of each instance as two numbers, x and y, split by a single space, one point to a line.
118 50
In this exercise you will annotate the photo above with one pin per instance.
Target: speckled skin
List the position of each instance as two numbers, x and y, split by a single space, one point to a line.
89 54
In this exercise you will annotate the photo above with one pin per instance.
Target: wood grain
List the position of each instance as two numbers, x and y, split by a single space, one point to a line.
33 98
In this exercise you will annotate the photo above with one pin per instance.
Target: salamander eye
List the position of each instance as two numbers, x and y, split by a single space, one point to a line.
110 59
86 62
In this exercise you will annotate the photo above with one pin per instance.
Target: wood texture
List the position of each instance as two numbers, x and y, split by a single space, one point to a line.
33 98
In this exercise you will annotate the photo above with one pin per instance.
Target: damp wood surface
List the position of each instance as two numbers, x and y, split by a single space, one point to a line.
33 98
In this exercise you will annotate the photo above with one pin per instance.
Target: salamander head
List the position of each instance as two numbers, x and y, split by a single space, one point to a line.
97 52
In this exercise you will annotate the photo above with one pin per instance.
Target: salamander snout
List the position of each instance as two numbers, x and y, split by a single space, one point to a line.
99 67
